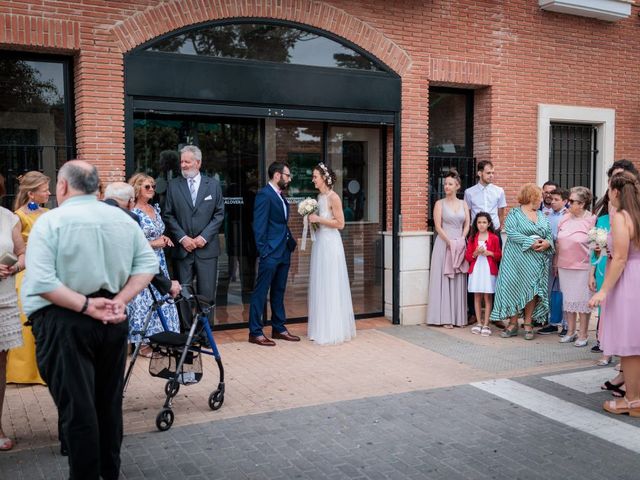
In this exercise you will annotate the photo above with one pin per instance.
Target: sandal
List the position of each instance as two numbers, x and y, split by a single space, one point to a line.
485 332
476 329
6 444
448 326
603 362
510 331
528 334
616 390
618 408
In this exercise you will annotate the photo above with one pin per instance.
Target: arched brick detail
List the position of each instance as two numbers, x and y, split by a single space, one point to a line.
176 14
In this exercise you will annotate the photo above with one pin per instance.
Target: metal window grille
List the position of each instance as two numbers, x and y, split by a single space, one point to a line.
572 155
19 159
439 167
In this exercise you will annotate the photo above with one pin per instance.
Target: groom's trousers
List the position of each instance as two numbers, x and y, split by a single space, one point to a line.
272 280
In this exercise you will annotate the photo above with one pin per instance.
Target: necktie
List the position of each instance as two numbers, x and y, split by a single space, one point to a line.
192 190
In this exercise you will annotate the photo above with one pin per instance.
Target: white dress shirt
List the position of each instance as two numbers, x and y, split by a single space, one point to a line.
485 199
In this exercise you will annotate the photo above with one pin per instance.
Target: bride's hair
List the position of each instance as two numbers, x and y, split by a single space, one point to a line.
326 173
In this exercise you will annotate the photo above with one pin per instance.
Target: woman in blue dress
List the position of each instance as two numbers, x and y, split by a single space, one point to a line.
153 228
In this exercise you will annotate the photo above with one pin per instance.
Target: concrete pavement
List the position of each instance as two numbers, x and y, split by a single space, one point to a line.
398 402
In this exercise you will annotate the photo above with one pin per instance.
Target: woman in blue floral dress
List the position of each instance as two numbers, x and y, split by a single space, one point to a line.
153 228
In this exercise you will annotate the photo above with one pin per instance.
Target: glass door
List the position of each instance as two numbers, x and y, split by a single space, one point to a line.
230 153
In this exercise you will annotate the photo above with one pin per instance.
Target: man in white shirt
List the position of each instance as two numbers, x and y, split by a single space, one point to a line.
484 196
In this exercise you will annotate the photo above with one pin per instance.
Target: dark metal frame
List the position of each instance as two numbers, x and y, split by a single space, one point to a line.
593 152
69 111
468 173
341 96
67 61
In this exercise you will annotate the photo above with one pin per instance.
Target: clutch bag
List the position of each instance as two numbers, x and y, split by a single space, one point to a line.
8 259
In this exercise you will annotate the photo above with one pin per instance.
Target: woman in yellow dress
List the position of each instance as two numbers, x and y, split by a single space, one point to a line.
32 193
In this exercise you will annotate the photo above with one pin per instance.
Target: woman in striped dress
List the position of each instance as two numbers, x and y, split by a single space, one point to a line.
522 283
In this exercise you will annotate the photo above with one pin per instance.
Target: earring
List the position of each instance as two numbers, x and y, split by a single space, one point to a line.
32 205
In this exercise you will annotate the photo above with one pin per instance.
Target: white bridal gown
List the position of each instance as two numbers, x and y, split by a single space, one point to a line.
331 319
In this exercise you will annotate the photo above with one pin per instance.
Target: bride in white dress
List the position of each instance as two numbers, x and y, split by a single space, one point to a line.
331 319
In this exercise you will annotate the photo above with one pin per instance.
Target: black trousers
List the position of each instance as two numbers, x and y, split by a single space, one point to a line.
83 362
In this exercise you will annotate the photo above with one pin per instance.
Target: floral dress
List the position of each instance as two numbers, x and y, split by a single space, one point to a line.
138 308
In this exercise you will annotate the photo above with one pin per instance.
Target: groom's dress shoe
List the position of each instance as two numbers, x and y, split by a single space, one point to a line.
262 340
285 336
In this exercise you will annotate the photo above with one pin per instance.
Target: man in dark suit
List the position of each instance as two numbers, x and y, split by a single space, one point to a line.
275 244
193 214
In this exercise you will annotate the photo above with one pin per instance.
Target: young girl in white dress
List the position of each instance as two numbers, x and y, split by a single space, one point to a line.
483 254
331 319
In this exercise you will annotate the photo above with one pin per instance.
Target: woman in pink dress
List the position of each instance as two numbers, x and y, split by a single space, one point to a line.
572 265
620 329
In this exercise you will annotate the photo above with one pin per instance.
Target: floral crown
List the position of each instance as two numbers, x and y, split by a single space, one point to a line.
326 175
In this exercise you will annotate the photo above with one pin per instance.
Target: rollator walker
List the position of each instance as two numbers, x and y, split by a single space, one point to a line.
177 357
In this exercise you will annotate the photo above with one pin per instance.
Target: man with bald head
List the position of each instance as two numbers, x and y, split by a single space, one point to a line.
87 261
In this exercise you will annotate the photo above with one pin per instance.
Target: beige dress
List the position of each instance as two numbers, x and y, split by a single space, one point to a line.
10 330
447 296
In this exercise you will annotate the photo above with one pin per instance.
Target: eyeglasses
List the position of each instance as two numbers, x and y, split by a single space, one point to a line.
288 175
149 187
571 201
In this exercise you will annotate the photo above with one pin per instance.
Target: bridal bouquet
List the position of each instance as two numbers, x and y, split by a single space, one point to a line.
598 238
306 208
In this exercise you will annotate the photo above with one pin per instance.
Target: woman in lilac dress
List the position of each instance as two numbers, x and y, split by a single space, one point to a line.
620 329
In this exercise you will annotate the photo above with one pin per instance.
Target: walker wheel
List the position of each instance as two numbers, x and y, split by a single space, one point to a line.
171 388
216 399
164 420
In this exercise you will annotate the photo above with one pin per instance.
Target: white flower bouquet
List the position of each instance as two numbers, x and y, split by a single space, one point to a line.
306 208
598 239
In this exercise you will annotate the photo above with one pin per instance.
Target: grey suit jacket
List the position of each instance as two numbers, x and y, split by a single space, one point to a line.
205 219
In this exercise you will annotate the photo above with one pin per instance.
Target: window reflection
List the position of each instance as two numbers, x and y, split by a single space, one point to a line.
448 124
32 119
263 42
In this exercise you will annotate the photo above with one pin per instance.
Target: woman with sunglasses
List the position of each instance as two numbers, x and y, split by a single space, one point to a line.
153 227
573 264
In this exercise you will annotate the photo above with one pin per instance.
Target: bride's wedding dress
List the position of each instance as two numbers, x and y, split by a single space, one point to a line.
331 318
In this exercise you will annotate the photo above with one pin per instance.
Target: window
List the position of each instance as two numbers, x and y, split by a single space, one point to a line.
603 119
35 117
450 140
572 156
265 42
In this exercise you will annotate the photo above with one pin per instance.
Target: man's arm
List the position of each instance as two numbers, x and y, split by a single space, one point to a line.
210 232
261 222
501 216
169 215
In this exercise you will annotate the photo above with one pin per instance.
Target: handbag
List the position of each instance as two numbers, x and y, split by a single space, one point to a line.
8 259
555 303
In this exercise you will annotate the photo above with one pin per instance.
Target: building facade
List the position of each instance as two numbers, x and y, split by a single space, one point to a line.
391 94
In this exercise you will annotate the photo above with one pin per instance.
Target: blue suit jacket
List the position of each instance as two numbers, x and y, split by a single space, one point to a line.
270 225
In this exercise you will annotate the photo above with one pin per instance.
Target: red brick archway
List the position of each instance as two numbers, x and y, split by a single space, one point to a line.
176 14
99 70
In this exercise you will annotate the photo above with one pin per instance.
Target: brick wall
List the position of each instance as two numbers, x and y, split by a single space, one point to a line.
515 54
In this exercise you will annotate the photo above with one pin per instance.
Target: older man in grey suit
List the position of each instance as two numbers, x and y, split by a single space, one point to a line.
193 213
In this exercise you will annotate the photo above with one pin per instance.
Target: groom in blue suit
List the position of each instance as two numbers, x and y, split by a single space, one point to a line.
275 244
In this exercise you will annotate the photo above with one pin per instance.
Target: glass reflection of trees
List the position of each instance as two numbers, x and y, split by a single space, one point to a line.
264 42
23 89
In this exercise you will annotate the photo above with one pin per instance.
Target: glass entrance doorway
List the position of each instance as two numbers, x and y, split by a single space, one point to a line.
237 152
